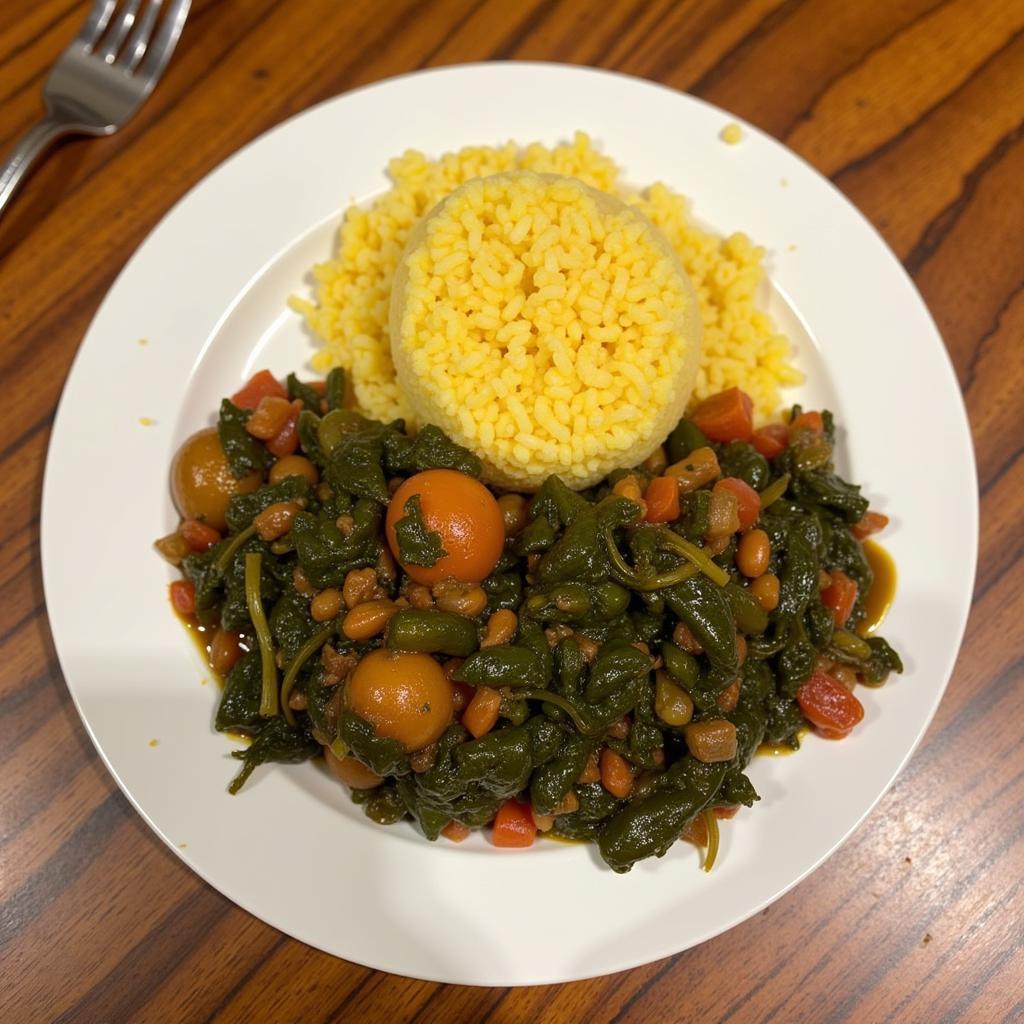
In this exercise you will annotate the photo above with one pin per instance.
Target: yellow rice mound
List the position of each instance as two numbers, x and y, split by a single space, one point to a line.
546 325
741 346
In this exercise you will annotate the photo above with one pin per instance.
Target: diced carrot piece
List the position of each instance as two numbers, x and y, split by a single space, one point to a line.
481 715
771 440
455 831
462 694
261 385
616 775
840 595
727 416
662 499
749 500
286 441
514 827
183 597
198 536
829 706
810 421
724 813
318 385
869 523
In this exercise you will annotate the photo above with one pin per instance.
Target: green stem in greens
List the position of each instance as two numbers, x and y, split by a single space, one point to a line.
629 578
698 556
560 702
302 655
226 556
254 602
711 822
775 490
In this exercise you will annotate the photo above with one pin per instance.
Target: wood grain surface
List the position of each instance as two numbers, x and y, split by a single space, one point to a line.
914 109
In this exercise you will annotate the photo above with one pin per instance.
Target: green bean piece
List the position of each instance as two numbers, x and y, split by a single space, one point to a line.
775 490
304 653
704 608
334 389
750 617
431 631
680 665
687 437
268 697
225 558
711 823
851 644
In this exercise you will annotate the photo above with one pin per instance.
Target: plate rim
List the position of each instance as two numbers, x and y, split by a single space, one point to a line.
513 67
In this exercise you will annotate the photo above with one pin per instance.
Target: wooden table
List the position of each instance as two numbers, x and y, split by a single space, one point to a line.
914 109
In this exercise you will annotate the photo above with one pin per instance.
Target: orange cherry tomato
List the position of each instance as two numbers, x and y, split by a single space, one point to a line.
405 697
463 513
352 772
202 483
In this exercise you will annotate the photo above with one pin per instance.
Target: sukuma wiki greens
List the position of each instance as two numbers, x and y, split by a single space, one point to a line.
598 665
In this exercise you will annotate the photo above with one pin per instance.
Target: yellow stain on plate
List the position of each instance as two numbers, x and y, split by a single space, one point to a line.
791 247
145 421
154 743
182 846
731 133
142 342
784 182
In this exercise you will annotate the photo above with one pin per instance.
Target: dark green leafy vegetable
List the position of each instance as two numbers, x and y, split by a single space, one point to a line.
417 544
278 742
431 631
309 396
243 451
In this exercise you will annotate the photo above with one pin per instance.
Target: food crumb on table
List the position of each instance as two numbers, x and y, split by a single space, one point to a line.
154 743
145 421
731 133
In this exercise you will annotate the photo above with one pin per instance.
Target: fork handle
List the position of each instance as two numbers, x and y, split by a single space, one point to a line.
29 148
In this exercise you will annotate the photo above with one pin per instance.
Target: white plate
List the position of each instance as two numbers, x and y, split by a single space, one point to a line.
206 291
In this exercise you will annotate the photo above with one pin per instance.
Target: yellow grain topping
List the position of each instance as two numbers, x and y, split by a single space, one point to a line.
545 325
741 346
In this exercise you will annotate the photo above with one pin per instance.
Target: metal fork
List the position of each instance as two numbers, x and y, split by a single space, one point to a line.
101 79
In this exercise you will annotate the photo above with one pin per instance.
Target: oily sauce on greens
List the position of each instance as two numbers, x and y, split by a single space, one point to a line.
604 674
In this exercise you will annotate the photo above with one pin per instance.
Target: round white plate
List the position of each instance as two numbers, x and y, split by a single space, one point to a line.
202 304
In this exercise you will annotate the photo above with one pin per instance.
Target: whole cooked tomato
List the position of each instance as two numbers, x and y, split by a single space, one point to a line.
463 514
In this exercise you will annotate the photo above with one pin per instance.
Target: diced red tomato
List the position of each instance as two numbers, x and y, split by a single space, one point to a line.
261 385
286 441
662 500
514 827
829 706
183 597
840 595
727 416
198 536
749 500
869 523
455 831
809 421
771 440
